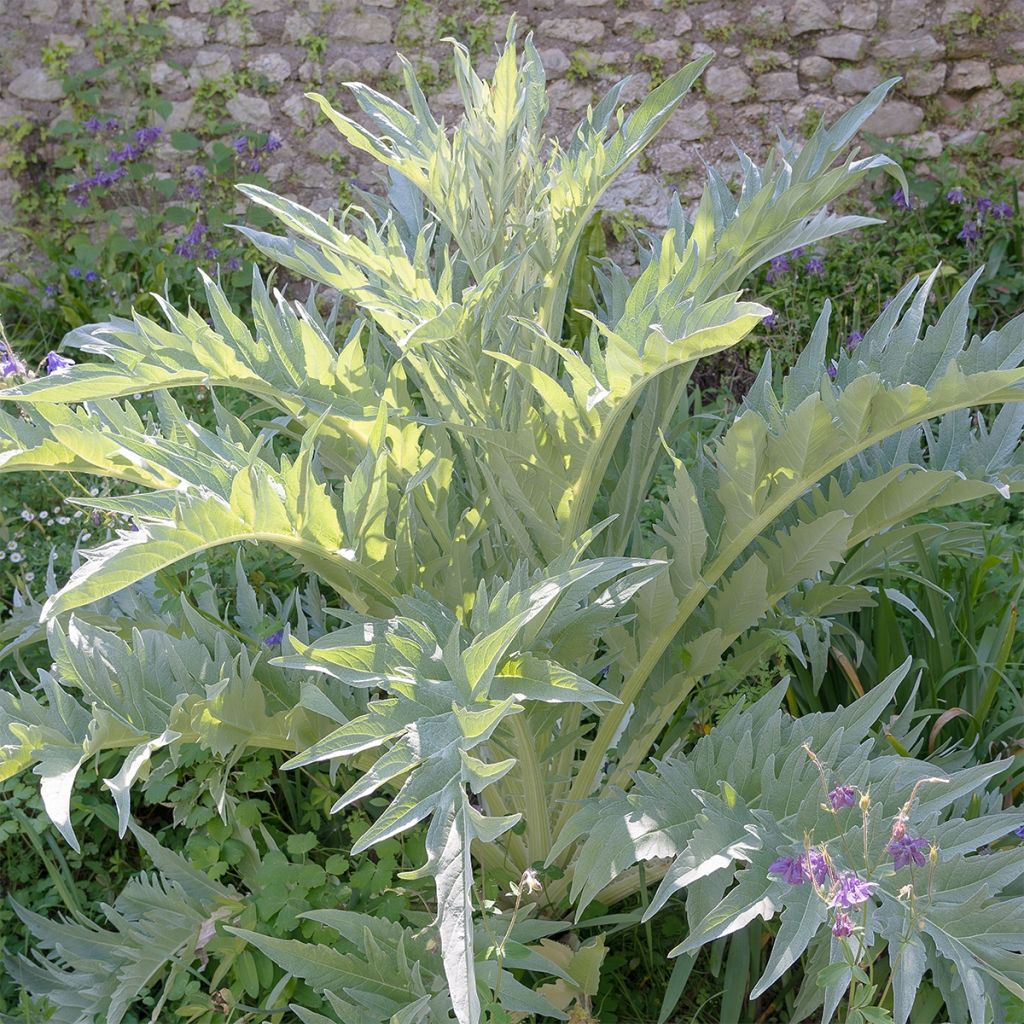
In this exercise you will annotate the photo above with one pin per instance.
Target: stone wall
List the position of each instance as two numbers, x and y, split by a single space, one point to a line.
779 62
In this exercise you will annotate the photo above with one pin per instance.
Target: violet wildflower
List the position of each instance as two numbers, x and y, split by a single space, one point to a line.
789 869
145 137
195 236
91 276
853 339
906 849
241 144
254 166
234 263
274 640
1002 211
843 926
74 272
776 268
55 362
901 200
797 252
273 143
51 290
832 370
184 249
817 867
842 796
11 366
815 265
1019 831
111 124
984 204
852 890
969 232
955 196
771 320
92 125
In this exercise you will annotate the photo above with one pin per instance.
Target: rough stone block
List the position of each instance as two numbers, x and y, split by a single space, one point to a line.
577 30
731 84
811 16
778 85
859 14
36 84
843 46
897 117
969 75
816 69
921 47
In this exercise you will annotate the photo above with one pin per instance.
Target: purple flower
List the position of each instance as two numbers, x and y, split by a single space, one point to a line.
111 124
92 125
51 290
10 366
234 263
194 191
853 339
80 199
771 320
906 849
127 154
832 370
843 926
274 640
74 272
196 172
195 236
815 265
776 268
955 196
56 362
851 891
254 166
797 252
184 249
1019 831
1002 211
145 137
984 204
842 796
212 252
789 869
900 200
91 275
969 233
817 866
273 143
241 144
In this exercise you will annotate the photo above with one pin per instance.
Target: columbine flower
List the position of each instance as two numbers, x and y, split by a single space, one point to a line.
241 144
969 232
776 268
905 849
184 249
900 200
111 124
789 869
254 166
74 272
1002 211
842 796
852 890
816 865
815 265
771 320
1019 831
145 137
56 362
195 236
92 125
843 926
832 370
273 143
853 339
955 196
234 263
91 275
10 365
984 204
530 882
274 640
51 290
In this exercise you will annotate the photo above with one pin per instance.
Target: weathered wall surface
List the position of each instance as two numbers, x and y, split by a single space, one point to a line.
779 62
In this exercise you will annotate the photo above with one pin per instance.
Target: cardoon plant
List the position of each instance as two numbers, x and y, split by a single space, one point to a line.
514 645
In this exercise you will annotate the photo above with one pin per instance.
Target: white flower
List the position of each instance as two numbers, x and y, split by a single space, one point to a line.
17 556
